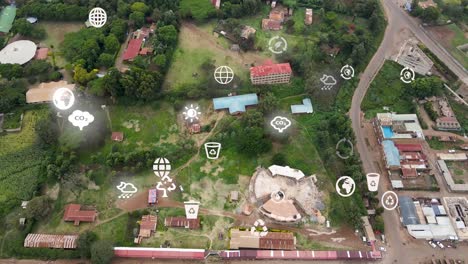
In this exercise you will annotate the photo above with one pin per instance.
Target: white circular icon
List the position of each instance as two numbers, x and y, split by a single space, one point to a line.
389 200
97 17
224 75
277 45
161 167
407 75
191 113
63 98
345 186
347 72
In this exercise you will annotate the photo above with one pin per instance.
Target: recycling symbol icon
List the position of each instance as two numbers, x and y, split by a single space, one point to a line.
191 211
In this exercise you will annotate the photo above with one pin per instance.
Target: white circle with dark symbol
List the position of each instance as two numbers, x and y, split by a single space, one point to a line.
347 72
97 17
224 75
389 200
161 167
345 186
191 113
407 75
277 45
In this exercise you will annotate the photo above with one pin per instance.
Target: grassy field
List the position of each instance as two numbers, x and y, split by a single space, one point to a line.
55 35
199 10
458 39
387 90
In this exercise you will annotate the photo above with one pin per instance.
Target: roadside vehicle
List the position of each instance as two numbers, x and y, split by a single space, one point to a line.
432 244
440 244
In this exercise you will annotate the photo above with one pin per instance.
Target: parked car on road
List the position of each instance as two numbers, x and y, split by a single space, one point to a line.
383 249
432 244
440 244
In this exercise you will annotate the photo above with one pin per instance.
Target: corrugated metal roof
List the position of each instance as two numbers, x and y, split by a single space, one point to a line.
50 241
235 104
304 108
408 211
391 153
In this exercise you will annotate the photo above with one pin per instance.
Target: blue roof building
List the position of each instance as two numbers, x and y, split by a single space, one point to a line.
392 155
236 104
304 108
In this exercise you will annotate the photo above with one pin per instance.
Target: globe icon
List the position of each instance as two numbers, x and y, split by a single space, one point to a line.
345 186
224 75
161 167
97 17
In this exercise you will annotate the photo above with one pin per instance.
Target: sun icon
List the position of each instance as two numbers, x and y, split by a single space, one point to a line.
191 113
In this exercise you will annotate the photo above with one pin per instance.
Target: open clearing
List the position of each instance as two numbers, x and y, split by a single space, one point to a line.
55 35
197 46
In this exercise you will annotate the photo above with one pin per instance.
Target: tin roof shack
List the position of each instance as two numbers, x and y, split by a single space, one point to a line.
368 229
73 213
51 241
272 240
182 222
160 253
147 227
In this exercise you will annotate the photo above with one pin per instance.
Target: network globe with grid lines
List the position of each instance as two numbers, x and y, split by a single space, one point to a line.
162 167
97 17
224 75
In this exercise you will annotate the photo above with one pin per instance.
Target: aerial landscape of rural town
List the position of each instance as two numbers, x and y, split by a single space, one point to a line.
233 131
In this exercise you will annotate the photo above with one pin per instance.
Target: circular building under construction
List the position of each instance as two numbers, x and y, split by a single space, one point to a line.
18 52
284 194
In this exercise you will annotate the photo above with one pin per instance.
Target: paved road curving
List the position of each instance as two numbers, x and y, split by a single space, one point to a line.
399 243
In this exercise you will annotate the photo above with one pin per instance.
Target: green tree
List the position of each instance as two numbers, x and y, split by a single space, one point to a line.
82 76
430 14
139 7
111 44
106 60
137 19
167 35
268 103
279 159
39 207
84 243
425 87
160 60
102 252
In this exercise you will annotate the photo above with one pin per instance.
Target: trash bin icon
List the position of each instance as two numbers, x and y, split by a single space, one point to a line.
212 150
373 181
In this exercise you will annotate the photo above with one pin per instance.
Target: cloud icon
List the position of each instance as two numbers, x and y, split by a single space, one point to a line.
127 189
280 123
80 119
328 80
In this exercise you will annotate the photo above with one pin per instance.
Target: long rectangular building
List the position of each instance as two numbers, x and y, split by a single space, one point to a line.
270 73
50 241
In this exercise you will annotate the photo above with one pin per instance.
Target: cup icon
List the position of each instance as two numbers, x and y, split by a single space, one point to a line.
373 181
212 150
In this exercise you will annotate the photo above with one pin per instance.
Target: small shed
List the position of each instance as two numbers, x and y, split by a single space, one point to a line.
235 47
234 195
117 136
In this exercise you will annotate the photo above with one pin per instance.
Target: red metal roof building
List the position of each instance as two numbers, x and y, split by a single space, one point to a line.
73 213
160 253
41 54
50 241
408 147
152 196
182 222
299 255
117 136
270 73
134 46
